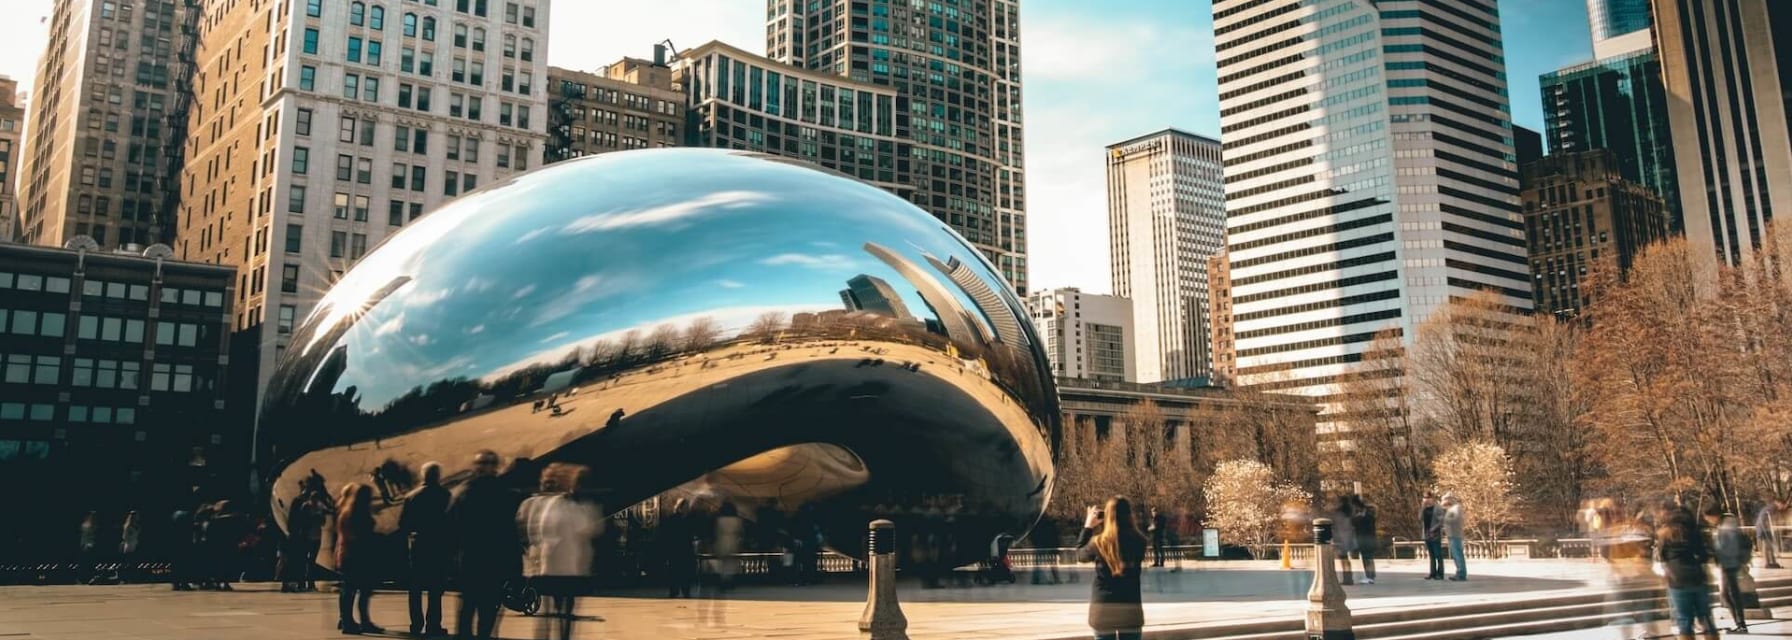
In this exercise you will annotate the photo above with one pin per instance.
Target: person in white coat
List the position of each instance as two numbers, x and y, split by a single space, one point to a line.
560 526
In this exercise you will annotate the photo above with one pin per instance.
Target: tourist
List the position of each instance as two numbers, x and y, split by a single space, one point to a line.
355 559
1680 555
1343 536
180 566
85 567
1733 550
225 530
424 527
130 535
1112 540
1455 515
1765 536
1157 528
726 545
674 546
1431 523
1362 525
483 515
559 526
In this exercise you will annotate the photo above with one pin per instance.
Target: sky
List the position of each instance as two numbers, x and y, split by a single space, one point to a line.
1093 73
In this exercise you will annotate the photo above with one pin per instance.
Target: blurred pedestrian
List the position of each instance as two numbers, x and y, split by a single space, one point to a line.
726 545
355 559
1158 528
180 553
1680 556
1769 540
423 526
1111 539
1362 524
1431 528
1734 549
1455 516
87 564
130 535
1343 536
225 532
675 548
560 527
483 515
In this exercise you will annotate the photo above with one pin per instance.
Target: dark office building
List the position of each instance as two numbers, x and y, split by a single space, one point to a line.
1618 104
630 104
112 390
1578 210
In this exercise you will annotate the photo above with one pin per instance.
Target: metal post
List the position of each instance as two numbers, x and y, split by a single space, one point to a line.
1328 618
883 617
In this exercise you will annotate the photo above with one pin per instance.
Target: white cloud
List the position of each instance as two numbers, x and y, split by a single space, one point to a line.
827 261
730 284
533 234
523 292
587 290
394 325
667 213
477 329
556 336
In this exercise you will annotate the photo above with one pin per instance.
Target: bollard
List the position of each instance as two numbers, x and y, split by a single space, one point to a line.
883 617
1287 555
1328 618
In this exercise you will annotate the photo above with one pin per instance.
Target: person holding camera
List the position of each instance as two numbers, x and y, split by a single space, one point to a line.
1111 539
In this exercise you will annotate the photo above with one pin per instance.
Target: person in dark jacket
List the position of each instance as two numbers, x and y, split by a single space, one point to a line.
1158 527
1111 539
1431 525
1344 537
1681 554
674 543
483 514
1362 525
355 559
424 526
1733 549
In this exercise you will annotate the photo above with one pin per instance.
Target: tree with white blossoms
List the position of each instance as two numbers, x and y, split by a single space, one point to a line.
1245 501
1480 474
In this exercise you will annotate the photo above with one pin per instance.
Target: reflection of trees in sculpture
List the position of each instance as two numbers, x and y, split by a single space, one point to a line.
765 327
701 333
664 340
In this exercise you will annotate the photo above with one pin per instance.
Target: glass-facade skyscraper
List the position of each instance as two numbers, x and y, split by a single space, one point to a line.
1619 26
1617 104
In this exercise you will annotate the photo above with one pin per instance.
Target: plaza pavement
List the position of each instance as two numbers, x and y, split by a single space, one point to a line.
1205 594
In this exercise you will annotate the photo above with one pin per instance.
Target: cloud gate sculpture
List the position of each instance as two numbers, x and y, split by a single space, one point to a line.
733 326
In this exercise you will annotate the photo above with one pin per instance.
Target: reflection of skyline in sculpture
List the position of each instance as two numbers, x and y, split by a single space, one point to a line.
865 292
996 311
522 317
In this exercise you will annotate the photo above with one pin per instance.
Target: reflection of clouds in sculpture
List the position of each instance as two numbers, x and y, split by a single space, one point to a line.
678 212
827 261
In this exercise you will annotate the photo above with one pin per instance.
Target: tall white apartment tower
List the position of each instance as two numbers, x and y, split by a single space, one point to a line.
320 127
1166 216
1370 175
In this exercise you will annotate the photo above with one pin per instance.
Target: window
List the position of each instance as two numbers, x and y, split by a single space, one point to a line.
410 25
24 322
458 72
455 104
509 46
295 199
370 89
307 78
460 36
345 167
357 246
472 148
304 122
454 144
364 170
510 13
313 8
505 112
310 45
301 160
395 213
451 184
528 49
420 141
398 173
468 182
373 54
341 206
523 84
357 14
528 16
351 86
407 59
376 19
354 49
404 97
417 178
426 63
362 204
429 29
337 240
478 38
287 313
81 374
367 127
289 278
345 129
478 75
423 99
18 369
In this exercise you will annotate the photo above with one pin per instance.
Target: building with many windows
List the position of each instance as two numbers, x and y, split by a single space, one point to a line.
1579 210
12 128
1219 319
1087 336
1166 217
738 100
109 108
630 104
324 126
1370 176
112 388
1619 26
955 69
1727 68
1618 104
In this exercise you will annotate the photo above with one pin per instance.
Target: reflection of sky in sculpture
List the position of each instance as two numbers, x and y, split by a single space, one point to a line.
565 263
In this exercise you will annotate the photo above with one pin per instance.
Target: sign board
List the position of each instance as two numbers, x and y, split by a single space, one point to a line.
1210 543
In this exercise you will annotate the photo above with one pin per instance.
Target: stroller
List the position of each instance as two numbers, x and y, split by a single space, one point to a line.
996 569
521 597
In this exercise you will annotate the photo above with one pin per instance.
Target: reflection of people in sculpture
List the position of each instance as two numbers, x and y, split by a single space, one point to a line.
560 526
615 418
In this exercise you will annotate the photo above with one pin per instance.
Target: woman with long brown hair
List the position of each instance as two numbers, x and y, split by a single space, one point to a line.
354 558
1112 540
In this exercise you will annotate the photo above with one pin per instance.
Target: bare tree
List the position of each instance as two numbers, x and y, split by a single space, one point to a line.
766 327
1378 446
1481 476
1245 501
701 334
664 340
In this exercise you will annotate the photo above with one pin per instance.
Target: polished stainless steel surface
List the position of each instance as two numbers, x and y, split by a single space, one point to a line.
680 319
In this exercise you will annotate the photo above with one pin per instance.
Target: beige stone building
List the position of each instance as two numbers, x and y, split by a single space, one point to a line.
1578 210
1219 318
630 104
12 127
324 126
109 104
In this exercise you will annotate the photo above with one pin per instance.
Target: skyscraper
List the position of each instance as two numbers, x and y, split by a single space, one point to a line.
1219 318
629 104
1086 335
955 66
109 108
1727 65
1619 26
1370 176
12 127
327 125
1578 210
872 294
1166 216
1618 104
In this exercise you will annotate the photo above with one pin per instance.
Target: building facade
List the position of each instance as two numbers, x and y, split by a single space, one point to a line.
12 129
1370 176
1618 104
1578 210
326 125
112 388
630 104
109 108
955 69
1166 216
1619 26
1728 75
1219 319
1087 336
